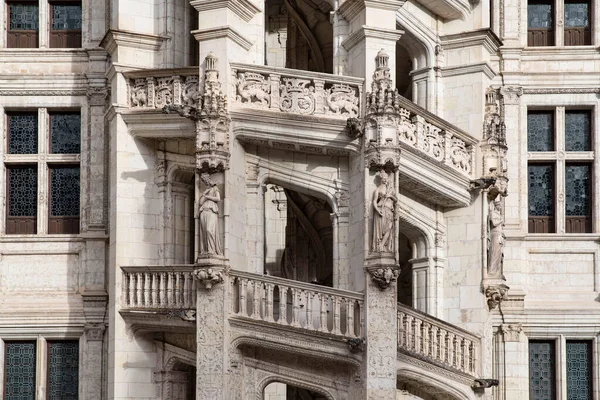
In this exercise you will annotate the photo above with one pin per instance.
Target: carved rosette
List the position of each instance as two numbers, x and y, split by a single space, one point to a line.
495 294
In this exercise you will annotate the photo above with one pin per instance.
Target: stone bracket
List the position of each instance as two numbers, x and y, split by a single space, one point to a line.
210 270
383 271
495 294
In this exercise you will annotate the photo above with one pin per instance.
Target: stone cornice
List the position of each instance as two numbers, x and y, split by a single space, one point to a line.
115 38
351 8
223 32
483 67
245 9
369 32
480 37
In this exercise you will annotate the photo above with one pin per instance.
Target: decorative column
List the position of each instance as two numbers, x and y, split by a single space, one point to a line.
94 309
513 356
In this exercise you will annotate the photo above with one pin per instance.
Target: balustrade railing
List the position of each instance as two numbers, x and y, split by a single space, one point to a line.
296 304
437 341
294 91
154 89
158 288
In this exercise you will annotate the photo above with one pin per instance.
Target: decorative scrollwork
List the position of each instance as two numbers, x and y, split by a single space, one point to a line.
297 96
342 100
164 92
253 89
139 93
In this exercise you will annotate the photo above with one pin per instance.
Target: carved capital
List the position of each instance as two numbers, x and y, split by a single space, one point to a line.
511 332
495 295
97 95
94 332
511 94
384 274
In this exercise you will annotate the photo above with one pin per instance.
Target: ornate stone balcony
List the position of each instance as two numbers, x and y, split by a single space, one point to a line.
437 342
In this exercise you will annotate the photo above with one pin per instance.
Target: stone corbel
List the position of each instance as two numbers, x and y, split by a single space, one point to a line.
495 294
186 315
384 275
211 270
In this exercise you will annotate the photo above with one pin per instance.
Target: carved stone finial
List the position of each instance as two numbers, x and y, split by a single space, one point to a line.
208 276
495 295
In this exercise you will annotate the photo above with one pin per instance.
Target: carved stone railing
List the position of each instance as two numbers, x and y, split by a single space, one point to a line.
295 304
430 134
154 89
296 92
158 288
437 341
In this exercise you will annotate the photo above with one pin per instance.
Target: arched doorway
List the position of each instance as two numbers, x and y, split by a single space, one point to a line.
282 391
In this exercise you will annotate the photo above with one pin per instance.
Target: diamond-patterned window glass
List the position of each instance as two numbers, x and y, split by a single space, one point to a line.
22 188
19 377
22 133
66 17
541 190
539 15
578 131
63 370
579 370
23 16
541 370
577 190
540 131
577 14
64 191
65 133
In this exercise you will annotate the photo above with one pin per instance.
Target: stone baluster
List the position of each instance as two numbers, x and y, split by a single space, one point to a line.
425 332
155 281
269 303
322 312
283 305
435 342
274 80
417 324
163 289
146 289
139 290
295 307
256 287
170 285
187 290
452 349
319 96
350 332
177 289
125 290
243 284
310 295
336 315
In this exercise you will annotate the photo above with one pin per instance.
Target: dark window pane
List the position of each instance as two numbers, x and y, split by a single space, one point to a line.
541 190
23 133
540 131
63 370
22 188
579 370
23 16
577 131
65 133
64 191
576 14
19 378
541 370
66 17
577 188
539 15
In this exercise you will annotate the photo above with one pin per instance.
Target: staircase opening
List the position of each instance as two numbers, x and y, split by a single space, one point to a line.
404 66
405 280
298 236
298 35
282 391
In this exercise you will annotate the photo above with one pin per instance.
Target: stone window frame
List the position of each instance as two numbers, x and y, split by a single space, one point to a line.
42 353
560 352
560 158
44 23
45 161
558 23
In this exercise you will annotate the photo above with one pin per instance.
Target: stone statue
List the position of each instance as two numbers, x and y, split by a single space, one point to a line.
496 236
207 210
384 202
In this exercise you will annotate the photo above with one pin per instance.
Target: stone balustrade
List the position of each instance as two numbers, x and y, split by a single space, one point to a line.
296 304
154 89
294 91
158 288
437 341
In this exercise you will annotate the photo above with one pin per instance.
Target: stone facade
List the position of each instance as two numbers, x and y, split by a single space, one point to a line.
306 199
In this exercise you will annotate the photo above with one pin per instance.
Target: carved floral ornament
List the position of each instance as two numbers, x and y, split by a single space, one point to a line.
495 294
210 276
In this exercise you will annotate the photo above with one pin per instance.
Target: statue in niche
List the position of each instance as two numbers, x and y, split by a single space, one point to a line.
496 237
384 203
207 210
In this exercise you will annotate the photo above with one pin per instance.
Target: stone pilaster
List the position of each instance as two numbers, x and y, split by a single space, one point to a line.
381 323
94 308
513 355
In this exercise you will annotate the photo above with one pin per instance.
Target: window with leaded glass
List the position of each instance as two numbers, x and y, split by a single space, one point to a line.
22 133
19 370
579 370
540 23
578 207
65 133
23 24
64 199
577 23
540 131
22 183
541 198
578 133
63 370
65 24
542 382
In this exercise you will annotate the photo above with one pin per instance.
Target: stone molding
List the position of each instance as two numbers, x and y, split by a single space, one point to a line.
223 32
464 69
371 33
244 9
433 369
481 37
571 90
140 41
351 8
